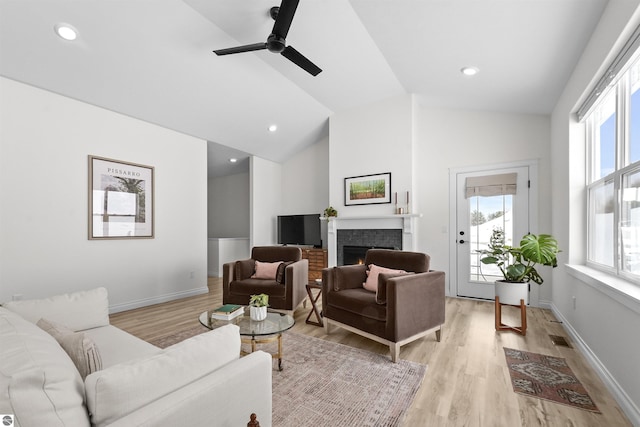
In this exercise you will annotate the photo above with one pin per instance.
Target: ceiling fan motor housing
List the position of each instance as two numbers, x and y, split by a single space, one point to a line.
273 12
275 44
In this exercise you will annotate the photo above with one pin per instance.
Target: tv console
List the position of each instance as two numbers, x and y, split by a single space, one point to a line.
317 261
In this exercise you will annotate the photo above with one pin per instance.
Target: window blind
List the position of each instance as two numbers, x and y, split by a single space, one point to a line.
491 185
615 68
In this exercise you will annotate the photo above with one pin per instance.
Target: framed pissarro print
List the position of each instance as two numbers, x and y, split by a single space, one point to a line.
120 199
367 189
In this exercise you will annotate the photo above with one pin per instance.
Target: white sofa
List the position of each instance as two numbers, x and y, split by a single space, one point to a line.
200 381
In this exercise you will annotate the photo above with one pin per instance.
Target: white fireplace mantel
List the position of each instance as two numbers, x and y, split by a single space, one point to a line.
405 222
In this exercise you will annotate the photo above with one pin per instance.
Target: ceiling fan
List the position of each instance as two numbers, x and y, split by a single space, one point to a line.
276 42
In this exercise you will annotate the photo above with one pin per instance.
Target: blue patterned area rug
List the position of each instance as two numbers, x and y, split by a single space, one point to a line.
328 384
547 377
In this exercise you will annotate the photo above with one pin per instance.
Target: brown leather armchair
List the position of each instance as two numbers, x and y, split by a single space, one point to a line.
285 291
404 308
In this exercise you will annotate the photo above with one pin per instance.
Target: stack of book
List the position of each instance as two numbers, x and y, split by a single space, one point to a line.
227 312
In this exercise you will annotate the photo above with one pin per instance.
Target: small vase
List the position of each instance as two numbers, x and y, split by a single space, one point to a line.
258 313
511 293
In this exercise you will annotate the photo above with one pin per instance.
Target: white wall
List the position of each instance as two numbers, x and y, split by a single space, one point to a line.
265 200
224 250
45 140
373 139
447 139
298 186
604 328
419 146
305 181
228 203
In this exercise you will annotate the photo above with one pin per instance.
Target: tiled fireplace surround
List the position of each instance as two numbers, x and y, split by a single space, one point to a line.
357 241
396 231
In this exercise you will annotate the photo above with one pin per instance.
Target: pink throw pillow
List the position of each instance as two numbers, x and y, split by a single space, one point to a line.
374 271
266 270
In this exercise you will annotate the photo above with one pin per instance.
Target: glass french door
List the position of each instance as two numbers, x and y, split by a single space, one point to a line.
477 215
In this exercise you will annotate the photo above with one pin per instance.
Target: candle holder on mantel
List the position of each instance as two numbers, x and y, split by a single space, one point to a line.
407 211
401 210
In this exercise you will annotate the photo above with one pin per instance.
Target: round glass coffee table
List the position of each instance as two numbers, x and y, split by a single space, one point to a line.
256 332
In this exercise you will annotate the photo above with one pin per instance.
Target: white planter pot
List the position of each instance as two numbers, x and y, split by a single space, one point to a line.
258 313
512 293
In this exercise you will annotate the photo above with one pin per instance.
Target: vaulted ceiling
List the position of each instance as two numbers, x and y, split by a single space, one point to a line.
153 60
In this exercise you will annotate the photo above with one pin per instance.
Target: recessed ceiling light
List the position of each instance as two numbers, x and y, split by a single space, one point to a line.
66 31
273 128
233 160
469 71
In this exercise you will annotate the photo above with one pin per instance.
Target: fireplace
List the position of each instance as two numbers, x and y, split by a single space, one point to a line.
354 243
355 254
380 231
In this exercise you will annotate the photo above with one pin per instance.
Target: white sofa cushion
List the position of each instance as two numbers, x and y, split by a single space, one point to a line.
117 346
119 390
225 397
77 310
38 382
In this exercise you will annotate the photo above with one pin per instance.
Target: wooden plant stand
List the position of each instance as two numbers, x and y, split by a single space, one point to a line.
522 329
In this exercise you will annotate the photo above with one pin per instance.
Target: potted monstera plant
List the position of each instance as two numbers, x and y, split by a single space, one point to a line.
518 263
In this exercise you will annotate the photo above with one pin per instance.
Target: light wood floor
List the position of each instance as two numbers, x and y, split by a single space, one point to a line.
467 381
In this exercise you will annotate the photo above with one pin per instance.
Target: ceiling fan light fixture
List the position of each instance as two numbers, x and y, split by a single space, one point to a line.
66 31
469 71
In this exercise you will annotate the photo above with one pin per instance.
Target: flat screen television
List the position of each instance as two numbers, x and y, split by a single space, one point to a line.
301 230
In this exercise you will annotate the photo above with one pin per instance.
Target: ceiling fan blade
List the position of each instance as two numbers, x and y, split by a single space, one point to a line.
301 61
285 16
240 49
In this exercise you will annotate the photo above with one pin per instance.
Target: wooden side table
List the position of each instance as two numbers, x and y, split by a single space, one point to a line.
314 306
522 329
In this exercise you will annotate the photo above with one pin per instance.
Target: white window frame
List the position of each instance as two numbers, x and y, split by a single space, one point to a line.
620 88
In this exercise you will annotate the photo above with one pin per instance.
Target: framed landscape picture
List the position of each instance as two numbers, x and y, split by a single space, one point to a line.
120 199
367 189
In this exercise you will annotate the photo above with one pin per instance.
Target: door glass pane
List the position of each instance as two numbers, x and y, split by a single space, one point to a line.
485 214
634 114
630 223
605 137
601 200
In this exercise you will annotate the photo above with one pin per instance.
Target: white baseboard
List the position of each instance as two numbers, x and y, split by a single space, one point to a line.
626 404
116 308
545 304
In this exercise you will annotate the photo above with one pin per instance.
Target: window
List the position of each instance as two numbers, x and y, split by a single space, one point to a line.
613 181
490 207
